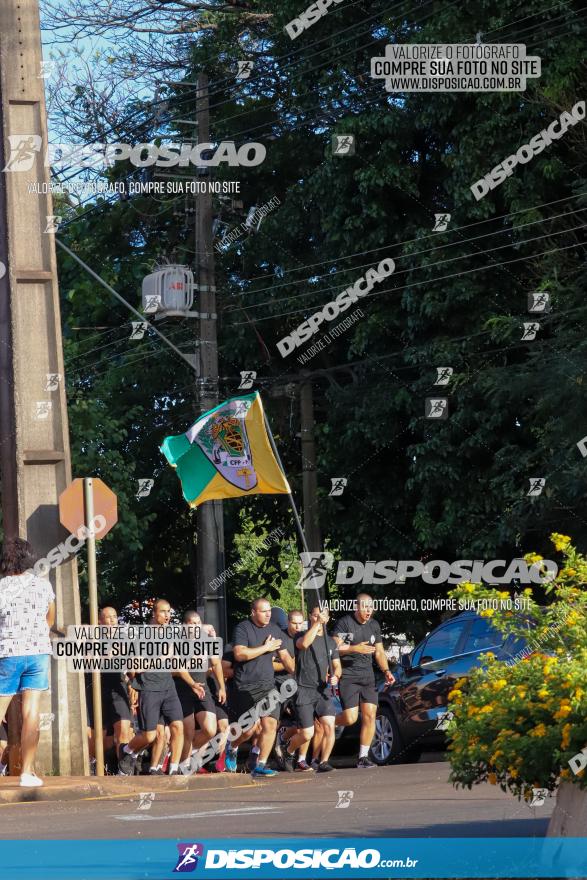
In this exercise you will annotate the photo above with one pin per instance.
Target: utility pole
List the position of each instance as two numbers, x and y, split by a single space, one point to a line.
309 476
209 516
34 437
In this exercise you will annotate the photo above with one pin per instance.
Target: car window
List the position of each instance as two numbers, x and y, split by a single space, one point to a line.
443 643
482 636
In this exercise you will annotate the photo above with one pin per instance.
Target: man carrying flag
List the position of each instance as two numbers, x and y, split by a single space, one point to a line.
318 669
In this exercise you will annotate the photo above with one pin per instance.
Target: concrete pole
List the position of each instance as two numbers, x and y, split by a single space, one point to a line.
210 522
38 464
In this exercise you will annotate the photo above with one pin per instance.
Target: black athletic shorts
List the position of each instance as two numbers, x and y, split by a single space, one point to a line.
243 700
115 706
156 707
288 709
221 710
190 703
312 703
352 692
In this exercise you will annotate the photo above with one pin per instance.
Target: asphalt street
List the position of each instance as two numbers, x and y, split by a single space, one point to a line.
409 800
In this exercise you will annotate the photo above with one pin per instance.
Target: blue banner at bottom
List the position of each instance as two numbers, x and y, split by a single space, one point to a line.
271 858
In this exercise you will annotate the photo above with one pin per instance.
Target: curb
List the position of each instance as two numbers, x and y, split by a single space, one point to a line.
83 788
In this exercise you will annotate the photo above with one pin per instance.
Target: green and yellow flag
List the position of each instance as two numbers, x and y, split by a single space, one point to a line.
226 453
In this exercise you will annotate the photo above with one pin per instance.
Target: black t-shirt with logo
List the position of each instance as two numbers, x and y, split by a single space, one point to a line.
312 663
257 672
357 666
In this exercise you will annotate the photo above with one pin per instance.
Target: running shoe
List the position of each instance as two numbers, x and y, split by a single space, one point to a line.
365 764
315 764
202 772
156 771
30 780
230 759
288 762
324 767
261 770
252 761
303 767
126 763
220 766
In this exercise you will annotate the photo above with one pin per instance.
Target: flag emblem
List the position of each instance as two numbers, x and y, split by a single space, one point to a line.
223 440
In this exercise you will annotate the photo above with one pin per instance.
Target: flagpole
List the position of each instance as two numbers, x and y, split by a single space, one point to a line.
299 526
292 502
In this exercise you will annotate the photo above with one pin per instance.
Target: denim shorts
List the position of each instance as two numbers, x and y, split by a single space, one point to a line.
25 673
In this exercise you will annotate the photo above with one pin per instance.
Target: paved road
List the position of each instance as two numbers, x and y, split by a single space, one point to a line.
410 800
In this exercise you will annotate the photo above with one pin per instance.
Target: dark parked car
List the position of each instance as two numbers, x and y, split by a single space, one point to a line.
413 711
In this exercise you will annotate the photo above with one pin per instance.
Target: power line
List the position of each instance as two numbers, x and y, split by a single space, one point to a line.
427 281
402 257
418 238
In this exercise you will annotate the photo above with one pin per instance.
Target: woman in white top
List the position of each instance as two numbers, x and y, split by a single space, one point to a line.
27 612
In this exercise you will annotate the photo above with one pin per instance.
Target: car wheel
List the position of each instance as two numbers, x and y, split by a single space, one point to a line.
387 745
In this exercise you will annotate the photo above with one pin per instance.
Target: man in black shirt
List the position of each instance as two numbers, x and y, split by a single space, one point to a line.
255 641
200 710
288 722
358 637
158 705
317 668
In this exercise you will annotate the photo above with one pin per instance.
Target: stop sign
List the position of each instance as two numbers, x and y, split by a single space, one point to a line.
72 512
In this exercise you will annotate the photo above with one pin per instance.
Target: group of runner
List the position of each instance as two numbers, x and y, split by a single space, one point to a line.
189 715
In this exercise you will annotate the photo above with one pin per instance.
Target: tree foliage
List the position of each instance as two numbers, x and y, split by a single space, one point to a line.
417 488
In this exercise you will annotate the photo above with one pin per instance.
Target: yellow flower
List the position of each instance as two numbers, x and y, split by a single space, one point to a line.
455 694
566 735
495 756
527 591
532 558
499 684
513 772
468 587
472 710
543 693
485 709
487 612
492 778
564 774
561 542
539 730
521 691
578 693
562 712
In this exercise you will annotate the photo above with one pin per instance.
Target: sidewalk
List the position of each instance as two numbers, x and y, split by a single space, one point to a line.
73 788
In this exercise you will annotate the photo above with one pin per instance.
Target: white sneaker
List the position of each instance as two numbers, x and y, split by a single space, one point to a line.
30 780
